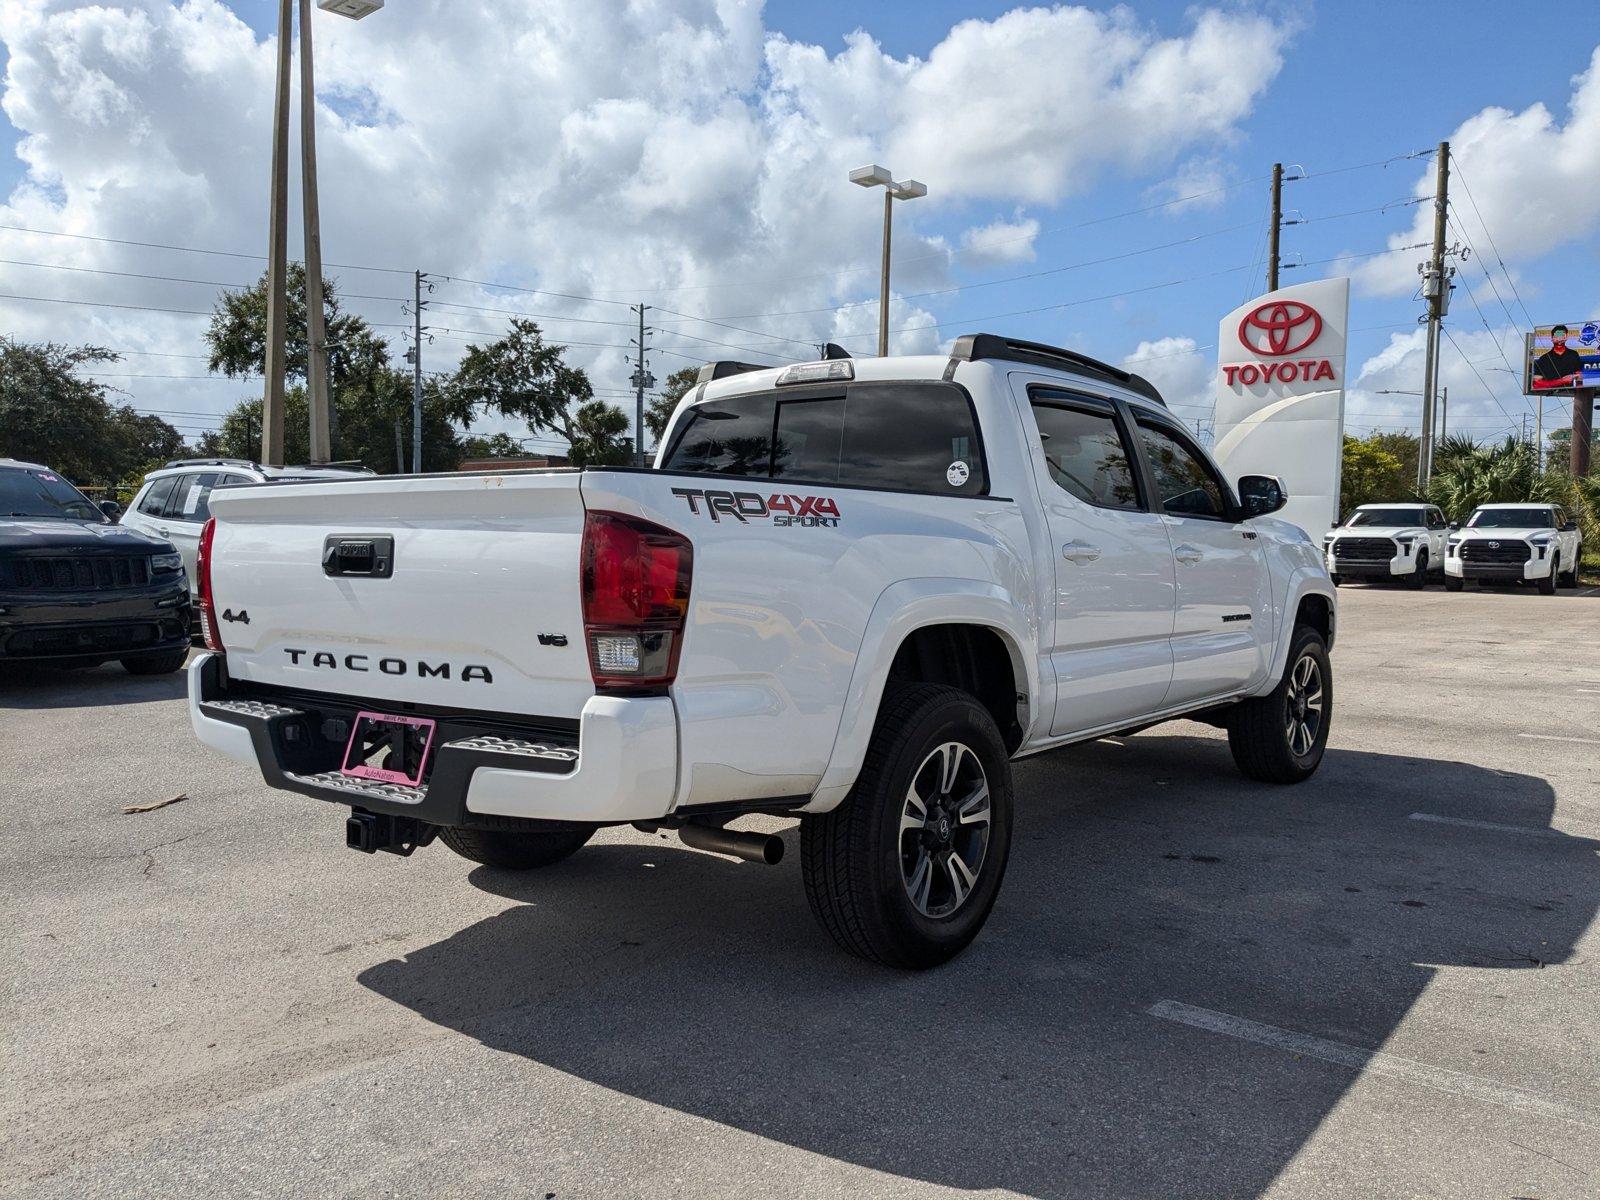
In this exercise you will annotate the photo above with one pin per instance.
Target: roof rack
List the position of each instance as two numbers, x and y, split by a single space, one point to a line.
971 347
213 462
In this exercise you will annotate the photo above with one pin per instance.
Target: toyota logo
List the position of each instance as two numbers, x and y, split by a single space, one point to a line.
1280 327
1494 545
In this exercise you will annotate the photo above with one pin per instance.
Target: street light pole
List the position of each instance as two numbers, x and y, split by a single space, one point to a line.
316 331
277 256
910 189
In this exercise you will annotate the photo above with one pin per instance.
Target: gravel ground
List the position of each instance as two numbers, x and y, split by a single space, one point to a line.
1379 983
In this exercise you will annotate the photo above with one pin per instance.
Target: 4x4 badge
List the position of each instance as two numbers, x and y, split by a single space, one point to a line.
241 617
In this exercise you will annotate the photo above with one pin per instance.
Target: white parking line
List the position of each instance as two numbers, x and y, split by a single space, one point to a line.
1376 1062
1551 737
1494 825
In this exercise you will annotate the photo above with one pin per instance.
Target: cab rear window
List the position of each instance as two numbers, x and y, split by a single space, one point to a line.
901 437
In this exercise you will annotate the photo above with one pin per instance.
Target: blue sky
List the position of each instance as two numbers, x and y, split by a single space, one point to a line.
1352 91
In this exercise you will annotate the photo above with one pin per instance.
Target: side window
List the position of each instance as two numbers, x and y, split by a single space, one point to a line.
912 437
1185 483
203 509
1086 455
195 505
155 500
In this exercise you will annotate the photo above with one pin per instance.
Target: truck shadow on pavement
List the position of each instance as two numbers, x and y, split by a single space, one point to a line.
1143 871
27 686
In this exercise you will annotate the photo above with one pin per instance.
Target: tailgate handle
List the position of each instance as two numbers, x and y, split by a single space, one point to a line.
370 555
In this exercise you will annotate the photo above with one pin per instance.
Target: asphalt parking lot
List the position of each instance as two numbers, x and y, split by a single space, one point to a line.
1379 983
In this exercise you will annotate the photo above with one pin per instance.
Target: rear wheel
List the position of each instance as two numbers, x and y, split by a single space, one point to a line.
164 663
1280 737
1419 577
906 869
516 850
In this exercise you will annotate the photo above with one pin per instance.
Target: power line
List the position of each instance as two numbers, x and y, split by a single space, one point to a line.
85 237
1503 410
1485 225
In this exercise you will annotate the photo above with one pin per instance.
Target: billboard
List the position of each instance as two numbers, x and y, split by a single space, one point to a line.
1562 358
1280 396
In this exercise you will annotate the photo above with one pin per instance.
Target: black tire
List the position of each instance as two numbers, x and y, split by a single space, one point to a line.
861 861
1453 584
163 663
1260 730
516 850
1419 577
1337 580
1570 579
1547 585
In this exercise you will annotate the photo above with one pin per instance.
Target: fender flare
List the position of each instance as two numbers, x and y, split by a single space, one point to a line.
1305 581
902 608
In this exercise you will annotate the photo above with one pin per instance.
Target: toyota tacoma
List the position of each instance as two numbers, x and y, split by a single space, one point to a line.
848 592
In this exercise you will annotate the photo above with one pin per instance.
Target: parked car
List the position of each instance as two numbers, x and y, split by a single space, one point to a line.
174 502
850 592
1403 542
1515 543
76 587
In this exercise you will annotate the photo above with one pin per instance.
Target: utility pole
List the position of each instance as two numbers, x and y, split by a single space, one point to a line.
316 332
277 256
1444 411
1436 290
1276 227
641 380
416 376
883 285
1582 431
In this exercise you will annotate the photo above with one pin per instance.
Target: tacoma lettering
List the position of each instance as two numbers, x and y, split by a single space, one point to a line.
322 659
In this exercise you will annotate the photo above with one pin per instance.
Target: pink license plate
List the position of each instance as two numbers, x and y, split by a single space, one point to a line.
400 744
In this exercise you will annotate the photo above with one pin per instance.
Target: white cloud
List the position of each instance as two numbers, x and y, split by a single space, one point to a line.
999 243
1183 372
675 152
1199 183
1533 180
1485 398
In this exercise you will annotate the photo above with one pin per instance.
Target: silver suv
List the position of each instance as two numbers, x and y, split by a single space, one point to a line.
175 501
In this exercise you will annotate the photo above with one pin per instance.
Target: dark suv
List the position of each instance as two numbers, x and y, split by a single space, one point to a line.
76 586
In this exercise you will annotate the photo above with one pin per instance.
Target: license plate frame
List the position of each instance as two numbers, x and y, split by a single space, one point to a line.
407 728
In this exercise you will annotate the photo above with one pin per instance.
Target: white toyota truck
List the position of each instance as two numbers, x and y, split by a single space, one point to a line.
850 592
1402 542
1515 543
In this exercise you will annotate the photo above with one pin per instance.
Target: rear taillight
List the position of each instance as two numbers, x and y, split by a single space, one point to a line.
635 601
202 571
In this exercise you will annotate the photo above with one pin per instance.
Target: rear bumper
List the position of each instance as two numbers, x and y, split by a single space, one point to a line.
94 624
621 765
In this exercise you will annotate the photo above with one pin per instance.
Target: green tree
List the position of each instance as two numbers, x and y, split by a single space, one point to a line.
523 377
237 335
1373 473
659 408
499 445
51 415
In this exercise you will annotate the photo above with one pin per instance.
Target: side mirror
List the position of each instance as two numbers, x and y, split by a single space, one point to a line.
1454 525
111 509
1570 527
1262 494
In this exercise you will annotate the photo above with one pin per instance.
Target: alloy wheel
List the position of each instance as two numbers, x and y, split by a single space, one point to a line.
1303 705
944 830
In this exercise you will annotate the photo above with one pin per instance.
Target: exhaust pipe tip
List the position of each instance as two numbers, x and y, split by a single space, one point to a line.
766 848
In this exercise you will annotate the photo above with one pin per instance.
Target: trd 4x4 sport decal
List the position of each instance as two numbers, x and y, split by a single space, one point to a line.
811 512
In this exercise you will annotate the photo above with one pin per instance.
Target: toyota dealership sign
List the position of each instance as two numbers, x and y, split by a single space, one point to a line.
1280 395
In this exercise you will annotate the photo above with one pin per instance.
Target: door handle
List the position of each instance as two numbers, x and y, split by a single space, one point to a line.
1187 553
163 532
1080 552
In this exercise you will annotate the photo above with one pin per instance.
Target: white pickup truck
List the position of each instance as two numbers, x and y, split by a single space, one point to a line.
1515 543
848 592
1402 542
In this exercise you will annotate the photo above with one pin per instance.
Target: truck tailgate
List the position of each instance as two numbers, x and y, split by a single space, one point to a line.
481 608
